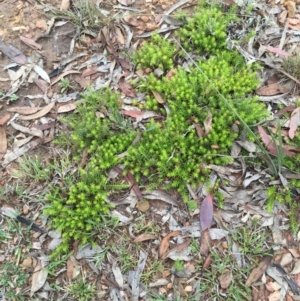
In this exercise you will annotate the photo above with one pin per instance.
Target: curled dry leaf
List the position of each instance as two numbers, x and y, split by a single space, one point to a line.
205 243
199 130
19 152
126 88
277 50
42 73
39 278
67 108
144 237
208 123
158 97
164 246
23 129
178 248
43 111
170 73
206 212
43 86
132 113
31 43
272 89
256 273
3 140
23 110
225 279
294 122
13 53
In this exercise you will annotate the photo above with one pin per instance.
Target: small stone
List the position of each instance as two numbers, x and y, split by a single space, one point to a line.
41 24
188 288
2 258
169 285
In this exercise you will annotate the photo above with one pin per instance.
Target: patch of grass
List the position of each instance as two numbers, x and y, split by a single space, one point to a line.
84 14
222 262
291 65
152 272
252 242
64 85
127 258
12 281
33 168
82 290
178 265
141 226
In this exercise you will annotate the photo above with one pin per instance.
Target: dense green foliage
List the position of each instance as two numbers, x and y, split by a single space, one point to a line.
195 127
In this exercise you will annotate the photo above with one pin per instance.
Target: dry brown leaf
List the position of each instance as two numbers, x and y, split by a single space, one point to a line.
132 113
158 97
164 246
135 22
271 90
208 123
43 85
43 111
26 130
207 262
151 27
144 237
256 273
24 110
120 37
31 43
20 151
178 248
170 73
39 278
4 119
130 179
66 108
225 279
3 140
126 88
84 157
70 268
44 126
199 130
291 7
205 243
63 75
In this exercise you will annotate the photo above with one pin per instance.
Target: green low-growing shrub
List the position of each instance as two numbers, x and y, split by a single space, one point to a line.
195 127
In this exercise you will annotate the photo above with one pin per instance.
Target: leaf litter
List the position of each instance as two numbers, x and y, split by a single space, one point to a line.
238 209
